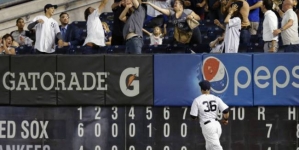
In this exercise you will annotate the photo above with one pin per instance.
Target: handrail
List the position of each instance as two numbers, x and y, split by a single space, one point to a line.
11 3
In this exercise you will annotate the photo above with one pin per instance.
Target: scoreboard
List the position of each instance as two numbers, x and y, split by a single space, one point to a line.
142 128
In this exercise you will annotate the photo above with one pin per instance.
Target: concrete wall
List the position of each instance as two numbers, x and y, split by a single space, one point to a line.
29 10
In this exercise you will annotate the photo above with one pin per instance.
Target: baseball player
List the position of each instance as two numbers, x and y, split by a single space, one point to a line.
206 107
46 29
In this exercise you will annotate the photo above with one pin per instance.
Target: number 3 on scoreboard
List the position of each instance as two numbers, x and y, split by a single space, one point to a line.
269 125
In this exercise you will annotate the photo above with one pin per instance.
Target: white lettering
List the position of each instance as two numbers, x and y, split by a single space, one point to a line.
33 76
25 132
275 83
2 128
260 77
296 76
51 81
93 81
22 81
132 73
101 81
261 113
61 81
292 113
74 82
6 74
237 83
11 129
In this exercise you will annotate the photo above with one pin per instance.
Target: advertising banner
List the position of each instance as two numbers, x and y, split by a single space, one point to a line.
276 79
4 68
81 80
32 80
176 78
230 76
130 79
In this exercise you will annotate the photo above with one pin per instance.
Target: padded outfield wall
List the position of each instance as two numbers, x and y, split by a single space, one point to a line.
142 102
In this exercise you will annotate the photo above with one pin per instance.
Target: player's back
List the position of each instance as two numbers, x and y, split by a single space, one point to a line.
208 106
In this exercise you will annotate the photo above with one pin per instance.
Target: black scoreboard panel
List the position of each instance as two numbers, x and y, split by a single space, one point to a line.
142 128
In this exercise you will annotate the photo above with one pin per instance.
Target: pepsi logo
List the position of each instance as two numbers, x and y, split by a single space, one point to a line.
214 71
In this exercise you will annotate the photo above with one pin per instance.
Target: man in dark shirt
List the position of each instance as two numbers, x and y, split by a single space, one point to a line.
117 37
132 31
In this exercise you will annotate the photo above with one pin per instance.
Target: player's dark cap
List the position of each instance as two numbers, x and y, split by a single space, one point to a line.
204 85
49 6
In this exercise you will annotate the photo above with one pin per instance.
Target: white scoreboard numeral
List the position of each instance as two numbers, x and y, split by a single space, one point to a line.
131 113
97 130
80 112
114 115
166 130
97 147
269 125
297 148
149 113
114 147
184 130
114 130
149 148
297 133
97 116
80 129
166 148
185 112
166 113
149 130
184 148
269 148
81 147
132 129
131 147
240 111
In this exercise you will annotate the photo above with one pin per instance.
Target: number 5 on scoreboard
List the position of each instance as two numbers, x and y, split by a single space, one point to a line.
269 125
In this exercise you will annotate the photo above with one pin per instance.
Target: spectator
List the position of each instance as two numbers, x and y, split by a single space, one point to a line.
243 8
95 32
70 33
217 45
179 17
21 36
6 45
270 24
289 28
214 11
132 31
154 17
118 25
157 36
232 31
46 28
107 32
254 15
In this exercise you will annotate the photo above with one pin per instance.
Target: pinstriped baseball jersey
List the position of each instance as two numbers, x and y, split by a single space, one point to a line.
206 107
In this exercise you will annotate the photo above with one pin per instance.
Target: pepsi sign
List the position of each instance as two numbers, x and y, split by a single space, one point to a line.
276 78
228 75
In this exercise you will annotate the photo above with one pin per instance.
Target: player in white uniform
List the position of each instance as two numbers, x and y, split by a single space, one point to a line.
206 107
46 29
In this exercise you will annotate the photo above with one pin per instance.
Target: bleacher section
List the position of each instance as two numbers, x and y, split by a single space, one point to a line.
209 32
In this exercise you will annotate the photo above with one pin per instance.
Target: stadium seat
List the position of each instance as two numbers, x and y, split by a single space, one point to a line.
177 48
200 48
155 49
116 49
24 50
80 24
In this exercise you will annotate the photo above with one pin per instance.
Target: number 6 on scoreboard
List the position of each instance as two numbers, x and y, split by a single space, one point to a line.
269 130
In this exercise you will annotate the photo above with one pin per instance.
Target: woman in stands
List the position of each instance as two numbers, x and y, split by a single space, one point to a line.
6 47
179 16
95 32
108 34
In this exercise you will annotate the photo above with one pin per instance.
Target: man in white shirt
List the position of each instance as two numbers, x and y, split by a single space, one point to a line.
46 29
270 24
206 108
289 28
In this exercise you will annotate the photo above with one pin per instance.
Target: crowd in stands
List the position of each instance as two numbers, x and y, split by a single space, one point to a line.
162 26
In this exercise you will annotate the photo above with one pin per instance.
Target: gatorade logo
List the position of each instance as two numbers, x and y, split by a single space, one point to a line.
128 83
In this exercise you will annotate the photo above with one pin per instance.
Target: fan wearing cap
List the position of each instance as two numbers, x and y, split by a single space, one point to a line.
46 29
206 108
95 32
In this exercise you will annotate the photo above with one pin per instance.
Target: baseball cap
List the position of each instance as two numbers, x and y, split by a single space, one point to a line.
49 5
205 85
